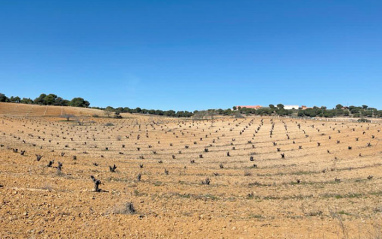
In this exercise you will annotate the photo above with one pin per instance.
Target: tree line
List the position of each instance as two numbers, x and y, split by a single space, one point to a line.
45 99
341 111
338 111
170 113
272 110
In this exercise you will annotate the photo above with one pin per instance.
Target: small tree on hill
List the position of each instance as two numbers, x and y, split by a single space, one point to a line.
108 111
67 116
79 102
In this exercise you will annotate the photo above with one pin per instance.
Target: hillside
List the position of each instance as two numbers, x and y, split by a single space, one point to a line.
17 109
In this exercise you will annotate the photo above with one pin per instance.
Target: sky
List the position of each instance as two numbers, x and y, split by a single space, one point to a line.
193 55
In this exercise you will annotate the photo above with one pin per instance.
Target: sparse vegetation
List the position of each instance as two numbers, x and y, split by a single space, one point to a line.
231 169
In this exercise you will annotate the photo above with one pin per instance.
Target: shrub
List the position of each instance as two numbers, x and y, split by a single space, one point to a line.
363 120
128 208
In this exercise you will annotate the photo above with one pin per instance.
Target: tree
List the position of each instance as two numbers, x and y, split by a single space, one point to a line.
40 100
368 113
280 106
238 115
108 111
339 112
159 112
26 101
339 106
127 110
152 112
355 110
119 110
211 113
61 101
234 108
67 116
364 107
15 99
282 112
79 102
117 115
272 106
50 99
200 114
170 113
3 98
227 112
188 114
328 114
356 115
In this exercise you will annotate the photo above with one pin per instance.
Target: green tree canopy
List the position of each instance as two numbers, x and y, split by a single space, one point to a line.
40 100
15 99
50 99
26 101
79 102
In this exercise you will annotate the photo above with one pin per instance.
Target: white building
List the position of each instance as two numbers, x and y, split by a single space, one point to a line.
291 107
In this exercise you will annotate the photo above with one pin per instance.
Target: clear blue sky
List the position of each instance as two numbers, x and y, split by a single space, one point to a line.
196 54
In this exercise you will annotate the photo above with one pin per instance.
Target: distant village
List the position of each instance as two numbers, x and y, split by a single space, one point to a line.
286 107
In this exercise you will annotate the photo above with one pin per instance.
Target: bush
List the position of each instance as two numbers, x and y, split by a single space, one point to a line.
117 115
363 120
127 208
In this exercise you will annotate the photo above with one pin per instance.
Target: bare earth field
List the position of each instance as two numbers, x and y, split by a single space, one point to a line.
327 185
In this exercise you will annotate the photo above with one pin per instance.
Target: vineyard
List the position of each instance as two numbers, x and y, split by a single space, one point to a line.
158 177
